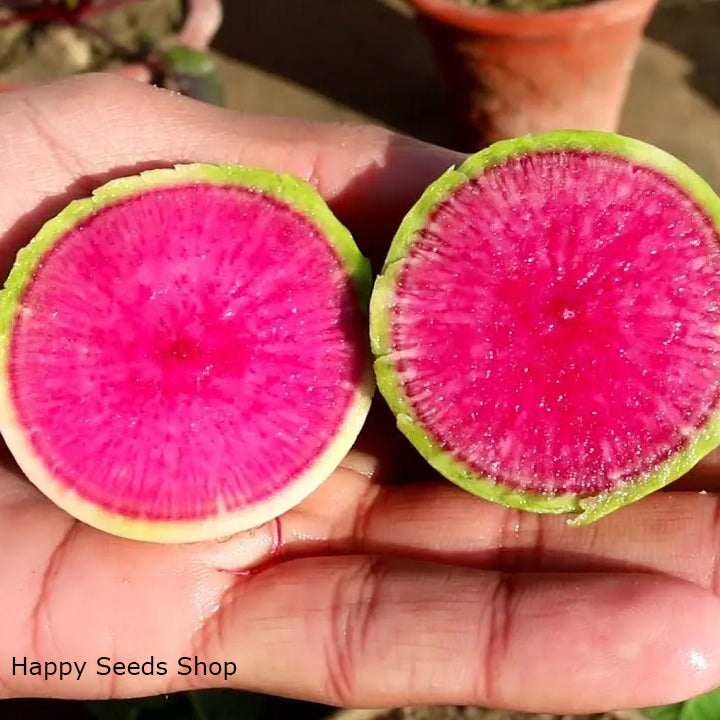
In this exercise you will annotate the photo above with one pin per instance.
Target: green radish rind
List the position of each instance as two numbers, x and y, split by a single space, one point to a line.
294 192
587 508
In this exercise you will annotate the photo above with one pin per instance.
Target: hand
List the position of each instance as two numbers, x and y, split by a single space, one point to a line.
384 591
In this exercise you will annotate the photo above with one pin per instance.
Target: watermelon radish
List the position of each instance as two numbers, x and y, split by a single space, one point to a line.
547 322
184 354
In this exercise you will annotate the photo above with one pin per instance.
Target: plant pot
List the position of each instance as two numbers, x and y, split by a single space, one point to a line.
512 73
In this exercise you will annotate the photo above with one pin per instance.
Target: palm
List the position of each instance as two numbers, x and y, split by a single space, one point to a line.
383 591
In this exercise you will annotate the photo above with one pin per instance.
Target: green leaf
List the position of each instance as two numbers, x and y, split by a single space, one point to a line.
665 712
192 73
703 707
185 60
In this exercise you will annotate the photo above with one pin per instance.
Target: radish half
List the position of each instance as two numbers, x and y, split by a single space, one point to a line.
184 354
547 323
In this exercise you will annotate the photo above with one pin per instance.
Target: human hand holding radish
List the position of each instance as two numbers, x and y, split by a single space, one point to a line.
389 586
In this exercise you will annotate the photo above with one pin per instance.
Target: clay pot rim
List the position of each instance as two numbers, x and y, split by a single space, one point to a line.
496 21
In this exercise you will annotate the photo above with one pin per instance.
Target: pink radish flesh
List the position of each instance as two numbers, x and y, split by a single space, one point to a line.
186 351
557 323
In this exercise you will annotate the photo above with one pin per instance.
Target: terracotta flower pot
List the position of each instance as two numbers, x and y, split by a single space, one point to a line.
511 73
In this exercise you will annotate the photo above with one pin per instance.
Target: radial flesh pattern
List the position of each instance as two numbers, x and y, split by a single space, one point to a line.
548 322
184 352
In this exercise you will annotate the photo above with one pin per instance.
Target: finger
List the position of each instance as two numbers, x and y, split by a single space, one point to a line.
60 141
372 632
673 533
72 594
133 71
676 534
379 633
187 603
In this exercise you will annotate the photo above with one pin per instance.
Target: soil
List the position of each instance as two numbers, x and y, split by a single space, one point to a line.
44 51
